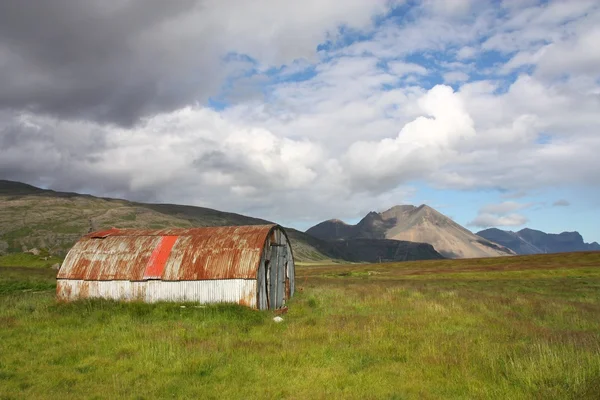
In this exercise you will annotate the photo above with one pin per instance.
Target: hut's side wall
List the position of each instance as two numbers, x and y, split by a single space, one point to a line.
239 291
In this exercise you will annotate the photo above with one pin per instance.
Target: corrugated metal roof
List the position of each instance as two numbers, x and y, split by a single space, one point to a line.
231 252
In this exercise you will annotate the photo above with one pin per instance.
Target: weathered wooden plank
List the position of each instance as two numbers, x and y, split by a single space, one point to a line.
273 278
281 278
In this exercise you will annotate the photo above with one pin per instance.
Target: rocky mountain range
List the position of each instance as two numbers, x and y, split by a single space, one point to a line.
531 241
385 250
31 217
415 224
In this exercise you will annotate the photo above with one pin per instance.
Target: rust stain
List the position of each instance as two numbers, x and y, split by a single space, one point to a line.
84 290
63 292
246 300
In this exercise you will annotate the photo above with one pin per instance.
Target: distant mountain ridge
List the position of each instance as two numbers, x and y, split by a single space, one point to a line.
31 217
385 250
531 241
416 224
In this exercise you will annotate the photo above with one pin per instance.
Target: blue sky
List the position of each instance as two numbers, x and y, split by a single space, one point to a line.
488 111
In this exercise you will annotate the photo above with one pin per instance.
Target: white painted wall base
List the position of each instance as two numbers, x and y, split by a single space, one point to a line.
240 291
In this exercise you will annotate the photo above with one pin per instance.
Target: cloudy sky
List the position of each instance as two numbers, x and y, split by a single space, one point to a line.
297 111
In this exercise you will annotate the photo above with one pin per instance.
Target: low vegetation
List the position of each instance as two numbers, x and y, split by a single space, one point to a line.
28 260
503 328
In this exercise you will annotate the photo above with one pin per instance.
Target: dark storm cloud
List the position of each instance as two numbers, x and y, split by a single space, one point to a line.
45 153
110 61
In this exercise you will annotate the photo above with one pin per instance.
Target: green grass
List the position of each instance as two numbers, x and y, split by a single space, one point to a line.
28 260
65 227
511 328
20 280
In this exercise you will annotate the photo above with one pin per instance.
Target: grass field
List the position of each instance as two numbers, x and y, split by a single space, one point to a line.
28 260
508 328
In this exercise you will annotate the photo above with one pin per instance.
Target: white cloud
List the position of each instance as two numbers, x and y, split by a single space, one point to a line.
490 220
504 207
449 7
193 149
513 5
530 28
280 31
430 32
402 68
343 103
561 203
422 146
514 195
466 52
523 58
579 55
501 214
455 76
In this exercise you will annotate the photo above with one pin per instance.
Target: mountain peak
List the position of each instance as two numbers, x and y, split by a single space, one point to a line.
400 211
416 224
401 207
424 208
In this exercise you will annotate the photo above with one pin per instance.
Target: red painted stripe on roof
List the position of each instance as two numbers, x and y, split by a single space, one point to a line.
158 258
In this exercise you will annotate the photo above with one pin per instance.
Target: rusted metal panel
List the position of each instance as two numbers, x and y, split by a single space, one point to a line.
159 257
238 291
112 258
191 259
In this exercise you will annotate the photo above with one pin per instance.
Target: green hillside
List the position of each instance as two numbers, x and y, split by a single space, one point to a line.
35 218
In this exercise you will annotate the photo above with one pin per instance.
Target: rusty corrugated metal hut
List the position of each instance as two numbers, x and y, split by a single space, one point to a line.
249 265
